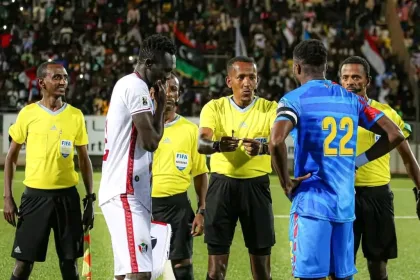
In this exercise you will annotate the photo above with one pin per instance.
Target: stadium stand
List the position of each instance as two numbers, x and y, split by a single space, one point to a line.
97 41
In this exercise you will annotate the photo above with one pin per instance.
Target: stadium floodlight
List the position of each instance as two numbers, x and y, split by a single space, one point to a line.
4 27
81 76
21 9
130 58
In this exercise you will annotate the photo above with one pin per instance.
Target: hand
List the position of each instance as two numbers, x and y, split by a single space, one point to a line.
197 228
10 210
416 196
228 144
252 146
293 184
160 93
88 214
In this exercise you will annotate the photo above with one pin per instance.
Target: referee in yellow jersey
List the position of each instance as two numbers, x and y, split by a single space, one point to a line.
50 129
235 131
374 226
175 161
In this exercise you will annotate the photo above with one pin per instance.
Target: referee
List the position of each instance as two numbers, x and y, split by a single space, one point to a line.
374 226
51 129
176 160
234 130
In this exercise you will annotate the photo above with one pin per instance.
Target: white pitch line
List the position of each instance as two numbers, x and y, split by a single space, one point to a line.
287 216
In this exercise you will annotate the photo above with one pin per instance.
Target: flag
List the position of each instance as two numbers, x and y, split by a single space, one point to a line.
240 47
189 61
161 242
87 260
370 51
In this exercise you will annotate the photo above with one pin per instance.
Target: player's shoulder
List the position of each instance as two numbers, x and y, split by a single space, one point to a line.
385 108
267 105
131 81
216 103
75 112
187 125
29 109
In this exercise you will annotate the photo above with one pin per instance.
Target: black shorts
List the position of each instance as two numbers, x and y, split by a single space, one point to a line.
374 225
176 210
41 210
249 200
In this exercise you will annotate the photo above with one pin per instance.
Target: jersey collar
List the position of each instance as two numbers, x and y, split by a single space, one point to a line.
242 110
177 118
54 113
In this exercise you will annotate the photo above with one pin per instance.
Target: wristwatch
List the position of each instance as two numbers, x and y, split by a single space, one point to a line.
200 211
91 196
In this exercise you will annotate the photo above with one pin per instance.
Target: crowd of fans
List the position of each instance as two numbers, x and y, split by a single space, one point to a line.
97 42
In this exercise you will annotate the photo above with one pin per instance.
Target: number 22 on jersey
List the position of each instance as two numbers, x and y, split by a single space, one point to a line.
345 124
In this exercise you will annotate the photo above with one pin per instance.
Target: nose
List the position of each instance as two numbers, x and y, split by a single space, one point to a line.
246 82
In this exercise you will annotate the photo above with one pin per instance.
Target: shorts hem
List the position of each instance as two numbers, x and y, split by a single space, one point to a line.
379 258
345 275
127 271
318 275
38 260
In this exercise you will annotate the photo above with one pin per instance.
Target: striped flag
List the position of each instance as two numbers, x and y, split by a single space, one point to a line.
87 259
371 52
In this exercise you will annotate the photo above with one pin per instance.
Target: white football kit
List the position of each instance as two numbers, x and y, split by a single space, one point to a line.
125 189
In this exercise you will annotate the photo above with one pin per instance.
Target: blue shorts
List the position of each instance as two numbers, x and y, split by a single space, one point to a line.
319 248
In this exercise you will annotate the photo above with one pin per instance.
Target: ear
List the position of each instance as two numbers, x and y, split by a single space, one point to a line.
369 80
148 63
41 83
228 82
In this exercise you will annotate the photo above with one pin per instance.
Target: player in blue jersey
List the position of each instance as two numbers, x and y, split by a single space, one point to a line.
322 118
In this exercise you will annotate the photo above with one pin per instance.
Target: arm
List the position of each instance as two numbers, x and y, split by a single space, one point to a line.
85 166
410 162
205 144
391 137
10 168
151 128
200 185
278 150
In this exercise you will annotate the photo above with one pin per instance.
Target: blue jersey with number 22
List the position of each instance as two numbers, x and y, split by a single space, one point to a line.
325 118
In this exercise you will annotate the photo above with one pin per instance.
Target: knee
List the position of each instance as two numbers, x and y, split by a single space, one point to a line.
22 269
69 269
217 249
377 270
139 276
260 252
183 269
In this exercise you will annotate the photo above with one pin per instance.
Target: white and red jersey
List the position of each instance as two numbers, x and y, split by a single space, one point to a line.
126 167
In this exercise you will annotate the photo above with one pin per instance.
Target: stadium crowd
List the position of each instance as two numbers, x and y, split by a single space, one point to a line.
98 41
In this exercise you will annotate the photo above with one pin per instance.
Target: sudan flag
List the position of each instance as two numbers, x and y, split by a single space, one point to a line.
189 60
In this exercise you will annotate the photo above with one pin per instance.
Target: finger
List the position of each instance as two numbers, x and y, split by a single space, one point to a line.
304 177
193 228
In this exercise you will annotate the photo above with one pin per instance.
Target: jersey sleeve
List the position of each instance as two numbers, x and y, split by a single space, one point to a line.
367 114
273 112
19 130
288 109
199 165
82 138
208 116
405 127
137 100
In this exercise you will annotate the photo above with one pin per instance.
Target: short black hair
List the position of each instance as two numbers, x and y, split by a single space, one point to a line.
311 52
356 60
153 44
239 58
41 71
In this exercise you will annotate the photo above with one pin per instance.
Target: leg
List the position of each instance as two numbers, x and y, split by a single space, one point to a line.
220 222
310 247
342 251
69 269
380 241
377 270
129 224
176 210
358 224
22 270
257 223
32 233
183 269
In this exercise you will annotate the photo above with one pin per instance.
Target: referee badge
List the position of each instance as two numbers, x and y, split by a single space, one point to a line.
181 161
65 148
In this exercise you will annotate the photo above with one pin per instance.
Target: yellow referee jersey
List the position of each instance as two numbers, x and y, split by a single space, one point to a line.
223 116
177 159
50 138
377 172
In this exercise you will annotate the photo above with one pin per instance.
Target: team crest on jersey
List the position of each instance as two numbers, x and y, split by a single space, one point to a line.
65 148
181 161
144 100
143 247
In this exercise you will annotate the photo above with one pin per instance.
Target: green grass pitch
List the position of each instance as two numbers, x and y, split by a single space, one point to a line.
404 268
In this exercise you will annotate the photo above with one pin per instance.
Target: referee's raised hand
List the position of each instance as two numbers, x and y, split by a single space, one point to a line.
228 144
10 210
